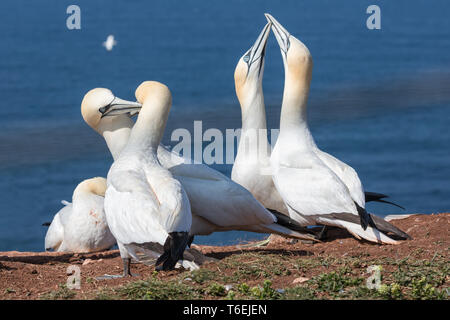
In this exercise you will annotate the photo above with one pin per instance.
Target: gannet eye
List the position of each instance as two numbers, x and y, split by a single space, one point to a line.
246 58
104 109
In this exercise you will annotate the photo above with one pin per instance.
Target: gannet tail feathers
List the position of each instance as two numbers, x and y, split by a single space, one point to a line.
379 197
174 247
387 228
370 234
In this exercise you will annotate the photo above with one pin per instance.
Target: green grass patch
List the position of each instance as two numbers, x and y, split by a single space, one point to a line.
61 293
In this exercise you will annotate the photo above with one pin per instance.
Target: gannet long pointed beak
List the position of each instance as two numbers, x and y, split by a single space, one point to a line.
281 34
257 52
120 106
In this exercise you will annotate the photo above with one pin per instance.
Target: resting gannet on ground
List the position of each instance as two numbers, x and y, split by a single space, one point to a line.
217 203
315 188
81 226
144 204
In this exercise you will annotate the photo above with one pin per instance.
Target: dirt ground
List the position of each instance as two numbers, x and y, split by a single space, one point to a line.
38 275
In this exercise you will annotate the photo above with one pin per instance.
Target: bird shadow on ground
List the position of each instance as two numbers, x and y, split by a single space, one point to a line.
68 258
281 252
3 267
335 233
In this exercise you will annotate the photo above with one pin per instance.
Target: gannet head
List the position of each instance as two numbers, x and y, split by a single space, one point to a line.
249 70
154 89
95 186
296 57
100 102
157 92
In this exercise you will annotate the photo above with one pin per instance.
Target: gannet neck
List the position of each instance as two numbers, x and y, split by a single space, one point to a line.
254 112
295 97
116 132
298 73
149 128
253 140
96 186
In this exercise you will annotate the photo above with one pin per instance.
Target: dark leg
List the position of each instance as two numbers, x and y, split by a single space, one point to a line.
323 233
126 267
126 271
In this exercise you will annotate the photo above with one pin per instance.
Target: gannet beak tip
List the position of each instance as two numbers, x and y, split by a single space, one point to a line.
281 34
120 106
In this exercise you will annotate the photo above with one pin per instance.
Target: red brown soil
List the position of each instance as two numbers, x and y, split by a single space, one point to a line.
28 275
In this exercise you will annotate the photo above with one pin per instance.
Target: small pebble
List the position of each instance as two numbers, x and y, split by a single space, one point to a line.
300 280
86 262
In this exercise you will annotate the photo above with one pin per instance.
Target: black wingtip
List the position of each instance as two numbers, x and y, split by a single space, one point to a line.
190 240
379 197
46 224
374 196
391 203
174 247
388 228
285 221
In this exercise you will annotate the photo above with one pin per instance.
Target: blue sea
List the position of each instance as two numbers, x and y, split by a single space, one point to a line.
380 99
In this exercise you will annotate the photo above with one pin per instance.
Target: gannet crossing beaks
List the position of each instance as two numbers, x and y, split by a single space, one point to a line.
120 106
281 34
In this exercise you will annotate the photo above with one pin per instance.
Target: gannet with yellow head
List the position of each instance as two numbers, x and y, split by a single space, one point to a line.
144 204
81 225
114 127
251 167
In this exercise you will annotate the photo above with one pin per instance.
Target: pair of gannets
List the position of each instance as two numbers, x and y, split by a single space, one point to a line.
297 178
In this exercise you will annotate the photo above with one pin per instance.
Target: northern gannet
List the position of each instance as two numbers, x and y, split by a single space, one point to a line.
315 188
81 226
144 204
251 167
